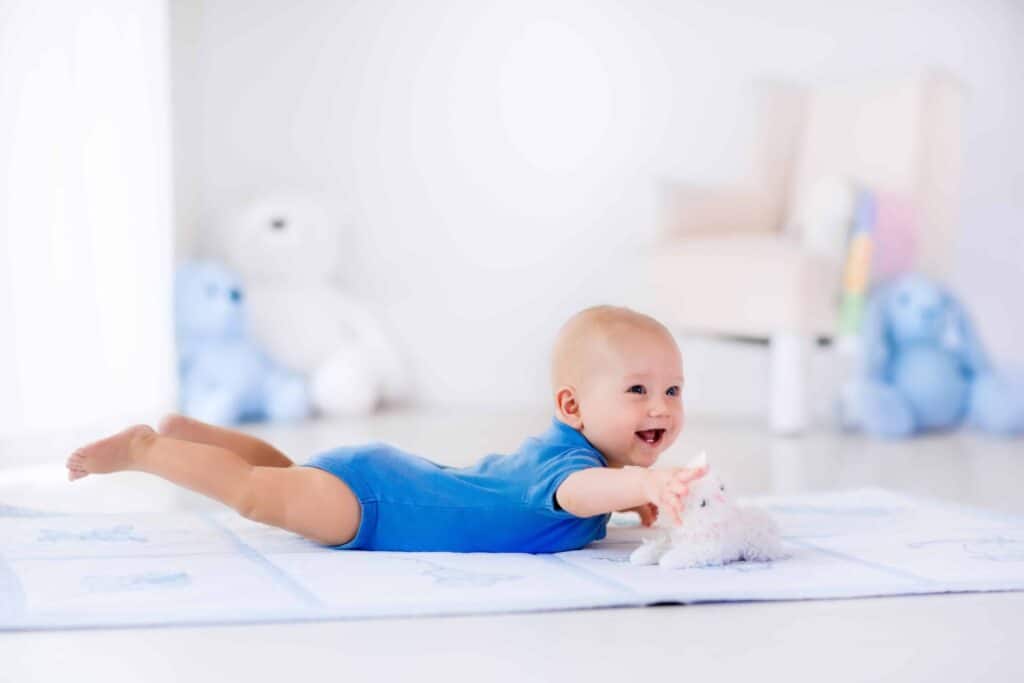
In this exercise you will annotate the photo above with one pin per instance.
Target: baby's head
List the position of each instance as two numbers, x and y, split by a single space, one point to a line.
617 377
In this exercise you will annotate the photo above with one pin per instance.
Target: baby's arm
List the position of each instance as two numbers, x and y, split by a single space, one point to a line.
599 490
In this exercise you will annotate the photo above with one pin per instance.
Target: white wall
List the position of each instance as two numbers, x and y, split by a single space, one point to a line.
499 160
86 220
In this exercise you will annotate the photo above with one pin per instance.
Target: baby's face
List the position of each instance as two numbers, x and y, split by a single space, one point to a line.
632 407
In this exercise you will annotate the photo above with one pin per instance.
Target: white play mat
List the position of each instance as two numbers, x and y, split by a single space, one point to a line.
66 571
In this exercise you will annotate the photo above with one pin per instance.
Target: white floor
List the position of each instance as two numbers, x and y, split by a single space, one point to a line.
942 637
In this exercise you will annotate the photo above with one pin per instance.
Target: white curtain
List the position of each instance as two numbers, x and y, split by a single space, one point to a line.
85 213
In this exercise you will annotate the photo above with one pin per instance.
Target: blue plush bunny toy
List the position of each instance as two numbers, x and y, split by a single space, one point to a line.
225 378
925 369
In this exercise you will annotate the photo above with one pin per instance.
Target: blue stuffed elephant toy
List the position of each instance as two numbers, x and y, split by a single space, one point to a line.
224 377
924 368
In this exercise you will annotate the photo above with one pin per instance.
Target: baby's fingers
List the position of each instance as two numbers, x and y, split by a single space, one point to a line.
686 474
678 489
677 515
674 505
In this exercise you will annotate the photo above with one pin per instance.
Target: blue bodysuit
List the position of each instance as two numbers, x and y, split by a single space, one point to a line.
504 503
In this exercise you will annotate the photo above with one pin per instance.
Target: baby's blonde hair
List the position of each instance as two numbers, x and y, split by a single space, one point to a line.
593 329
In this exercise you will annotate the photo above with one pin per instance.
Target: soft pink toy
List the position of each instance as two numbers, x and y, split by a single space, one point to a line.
714 531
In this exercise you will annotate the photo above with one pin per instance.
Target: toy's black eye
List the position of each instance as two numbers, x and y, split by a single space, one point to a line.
278 224
704 503
637 389
672 391
722 487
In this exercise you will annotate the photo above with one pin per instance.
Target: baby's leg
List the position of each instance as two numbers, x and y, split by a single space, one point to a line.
254 451
304 500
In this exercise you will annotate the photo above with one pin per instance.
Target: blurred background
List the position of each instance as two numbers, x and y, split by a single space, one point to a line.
487 169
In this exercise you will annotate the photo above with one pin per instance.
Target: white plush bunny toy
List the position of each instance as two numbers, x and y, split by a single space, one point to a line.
714 531
288 250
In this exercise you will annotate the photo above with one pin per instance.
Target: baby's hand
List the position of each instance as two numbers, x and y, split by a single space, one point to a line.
668 488
648 513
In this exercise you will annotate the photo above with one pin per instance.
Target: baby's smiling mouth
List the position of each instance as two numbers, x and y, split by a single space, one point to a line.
650 436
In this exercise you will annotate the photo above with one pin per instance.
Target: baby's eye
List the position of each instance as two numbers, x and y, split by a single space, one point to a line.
672 391
637 389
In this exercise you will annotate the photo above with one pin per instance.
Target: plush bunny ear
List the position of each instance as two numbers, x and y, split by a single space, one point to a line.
875 335
700 461
959 336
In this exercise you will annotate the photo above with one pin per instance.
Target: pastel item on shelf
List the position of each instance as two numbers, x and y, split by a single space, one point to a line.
895 236
857 271
851 313
824 214
858 265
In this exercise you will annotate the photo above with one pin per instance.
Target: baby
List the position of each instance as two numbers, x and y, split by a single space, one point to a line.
616 378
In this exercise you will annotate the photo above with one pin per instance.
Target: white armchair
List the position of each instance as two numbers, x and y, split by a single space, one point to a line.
742 261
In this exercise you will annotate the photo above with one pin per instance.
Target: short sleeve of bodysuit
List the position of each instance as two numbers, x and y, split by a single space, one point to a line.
552 472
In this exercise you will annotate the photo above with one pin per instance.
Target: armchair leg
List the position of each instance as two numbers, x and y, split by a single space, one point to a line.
790 355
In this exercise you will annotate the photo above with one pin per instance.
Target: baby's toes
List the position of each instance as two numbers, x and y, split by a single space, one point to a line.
76 466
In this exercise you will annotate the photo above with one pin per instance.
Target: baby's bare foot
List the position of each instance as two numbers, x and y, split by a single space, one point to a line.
112 454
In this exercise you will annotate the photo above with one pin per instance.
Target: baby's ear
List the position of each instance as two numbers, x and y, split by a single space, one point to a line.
568 408
698 462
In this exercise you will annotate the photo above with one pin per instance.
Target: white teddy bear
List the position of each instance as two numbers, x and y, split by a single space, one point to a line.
714 531
287 249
